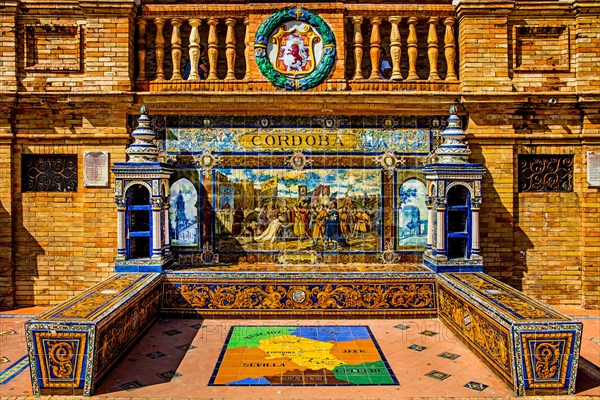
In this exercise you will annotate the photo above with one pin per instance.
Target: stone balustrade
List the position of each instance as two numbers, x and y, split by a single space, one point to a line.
174 40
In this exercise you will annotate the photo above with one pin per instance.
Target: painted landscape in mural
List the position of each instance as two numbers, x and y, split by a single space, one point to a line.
302 355
284 209
183 213
412 213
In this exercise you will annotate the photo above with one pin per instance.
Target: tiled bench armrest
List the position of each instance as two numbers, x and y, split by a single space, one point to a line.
73 345
532 347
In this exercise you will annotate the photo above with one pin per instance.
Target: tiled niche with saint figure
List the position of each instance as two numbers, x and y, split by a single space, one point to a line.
297 189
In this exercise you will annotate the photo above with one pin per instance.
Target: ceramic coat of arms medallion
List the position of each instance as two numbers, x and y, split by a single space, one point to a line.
295 49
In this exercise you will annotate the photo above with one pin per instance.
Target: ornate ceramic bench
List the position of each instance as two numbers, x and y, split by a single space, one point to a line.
72 346
532 347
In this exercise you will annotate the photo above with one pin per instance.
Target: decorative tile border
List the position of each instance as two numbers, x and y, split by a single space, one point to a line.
503 298
102 298
15 369
391 297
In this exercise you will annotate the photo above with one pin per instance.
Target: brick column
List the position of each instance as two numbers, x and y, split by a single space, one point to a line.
483 41
8 85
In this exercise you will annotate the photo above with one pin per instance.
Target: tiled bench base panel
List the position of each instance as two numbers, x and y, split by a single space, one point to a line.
311 294
532 347
72 346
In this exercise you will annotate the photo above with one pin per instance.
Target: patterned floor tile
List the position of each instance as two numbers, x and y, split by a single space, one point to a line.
476 386
449 356
185 347
417 347
155 355
428 333
437 375
402 327
129 386
172 332
168 375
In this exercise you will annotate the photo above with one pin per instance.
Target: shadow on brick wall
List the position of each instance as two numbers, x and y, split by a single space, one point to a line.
25 268
504 244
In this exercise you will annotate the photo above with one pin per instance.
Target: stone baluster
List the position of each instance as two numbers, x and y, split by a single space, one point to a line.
450 49
230 49
395 51
247 43
358 49
160 49
213 52
375 47
194 49
176 48
432 49
412 49
141 49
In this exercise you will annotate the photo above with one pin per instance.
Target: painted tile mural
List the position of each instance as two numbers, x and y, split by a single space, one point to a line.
301 189
284 209
183 213
411 210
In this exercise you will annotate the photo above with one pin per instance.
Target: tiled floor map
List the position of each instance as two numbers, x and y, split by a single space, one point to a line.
303 356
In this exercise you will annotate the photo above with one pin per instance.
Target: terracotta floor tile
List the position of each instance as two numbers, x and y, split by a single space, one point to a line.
197 365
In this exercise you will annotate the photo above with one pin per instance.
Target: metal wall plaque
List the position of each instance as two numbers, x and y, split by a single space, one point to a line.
593 168
95 168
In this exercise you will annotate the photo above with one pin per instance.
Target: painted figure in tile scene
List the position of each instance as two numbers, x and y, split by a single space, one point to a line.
332 231
266 210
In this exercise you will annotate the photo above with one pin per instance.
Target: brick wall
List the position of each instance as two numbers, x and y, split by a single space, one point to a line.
53 245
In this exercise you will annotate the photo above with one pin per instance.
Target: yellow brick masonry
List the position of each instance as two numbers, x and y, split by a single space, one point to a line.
53 245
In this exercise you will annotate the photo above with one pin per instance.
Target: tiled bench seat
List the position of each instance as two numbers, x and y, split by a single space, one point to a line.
532 347
72 346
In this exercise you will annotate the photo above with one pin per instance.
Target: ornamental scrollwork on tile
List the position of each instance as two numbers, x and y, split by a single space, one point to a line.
298 161
513 302
61 359
546 355
475 327
316 297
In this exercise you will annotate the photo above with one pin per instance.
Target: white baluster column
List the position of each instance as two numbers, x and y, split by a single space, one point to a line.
441 226
475 227
167 232
156 228
121 230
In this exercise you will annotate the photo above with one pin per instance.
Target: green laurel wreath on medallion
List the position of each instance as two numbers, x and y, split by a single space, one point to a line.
322 70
